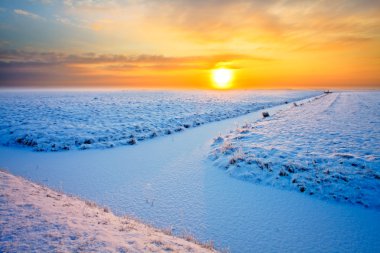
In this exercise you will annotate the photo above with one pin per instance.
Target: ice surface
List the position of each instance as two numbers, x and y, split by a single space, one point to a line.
53 121
329 147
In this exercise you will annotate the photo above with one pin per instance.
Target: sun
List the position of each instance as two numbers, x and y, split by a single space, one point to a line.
222 78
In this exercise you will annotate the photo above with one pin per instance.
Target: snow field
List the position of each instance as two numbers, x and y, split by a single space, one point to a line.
329 148
56 121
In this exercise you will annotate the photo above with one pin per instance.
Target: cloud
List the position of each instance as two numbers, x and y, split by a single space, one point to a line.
278 23
4 43
23 68
94 4
28 14
281 25
46 1
30 58
19 67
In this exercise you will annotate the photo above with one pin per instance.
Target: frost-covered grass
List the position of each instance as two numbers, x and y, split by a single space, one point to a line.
54 121
34 218
329 147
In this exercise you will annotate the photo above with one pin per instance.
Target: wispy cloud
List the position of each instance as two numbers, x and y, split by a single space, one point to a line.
28 67
269 22
115 61
28 14
95 4
272 23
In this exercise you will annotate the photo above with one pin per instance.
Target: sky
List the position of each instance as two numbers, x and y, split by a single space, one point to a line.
297 44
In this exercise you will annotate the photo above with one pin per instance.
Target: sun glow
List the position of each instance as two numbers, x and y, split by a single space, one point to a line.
222 78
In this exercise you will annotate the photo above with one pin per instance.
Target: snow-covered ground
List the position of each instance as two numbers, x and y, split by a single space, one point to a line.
53 121
34 218
171 182
329 148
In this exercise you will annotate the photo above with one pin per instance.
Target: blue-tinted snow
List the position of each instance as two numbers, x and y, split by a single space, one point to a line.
329 148
170 182
53 121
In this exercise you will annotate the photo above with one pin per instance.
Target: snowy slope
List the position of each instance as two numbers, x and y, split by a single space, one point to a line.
329 148
53 121
34 218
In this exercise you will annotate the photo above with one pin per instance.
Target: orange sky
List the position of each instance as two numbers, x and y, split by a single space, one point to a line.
176 44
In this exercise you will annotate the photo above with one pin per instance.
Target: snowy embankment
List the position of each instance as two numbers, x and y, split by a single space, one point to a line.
329 147
34 218
54 121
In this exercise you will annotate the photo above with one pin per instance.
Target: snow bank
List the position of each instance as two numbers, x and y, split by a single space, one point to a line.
34 218
329 147
54 121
